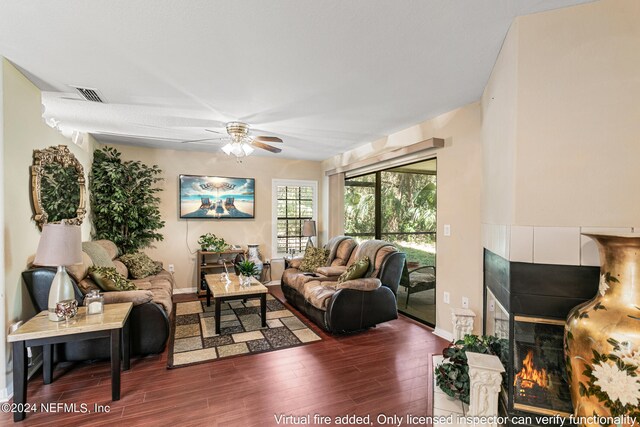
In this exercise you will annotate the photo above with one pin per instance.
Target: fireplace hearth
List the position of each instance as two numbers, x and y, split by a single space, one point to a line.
526 305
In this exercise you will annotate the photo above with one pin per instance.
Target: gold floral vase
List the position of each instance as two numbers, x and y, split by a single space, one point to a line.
602 339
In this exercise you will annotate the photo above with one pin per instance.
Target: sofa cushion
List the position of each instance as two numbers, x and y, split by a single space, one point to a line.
137 297
356 270
381 255
98 254
294 278
140 265
368 284
319 293
87 284
333 271
314 258
343 252
109 246
162 297
154 284
108 279
121 268
80 271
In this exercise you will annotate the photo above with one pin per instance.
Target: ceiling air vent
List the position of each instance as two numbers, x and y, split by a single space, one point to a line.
89 94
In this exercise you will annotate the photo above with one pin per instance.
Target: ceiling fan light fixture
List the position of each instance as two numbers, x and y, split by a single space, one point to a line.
227 148
247 149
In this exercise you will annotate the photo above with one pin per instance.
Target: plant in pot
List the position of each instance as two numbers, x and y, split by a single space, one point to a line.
210 242
452 376
246 269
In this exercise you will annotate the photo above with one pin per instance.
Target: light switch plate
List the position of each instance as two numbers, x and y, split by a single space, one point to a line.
447 230
446 297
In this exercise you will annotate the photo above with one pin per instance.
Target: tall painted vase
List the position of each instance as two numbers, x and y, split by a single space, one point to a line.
602 338
253 255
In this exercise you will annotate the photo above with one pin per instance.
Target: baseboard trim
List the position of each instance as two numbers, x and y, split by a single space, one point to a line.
178 291
443 334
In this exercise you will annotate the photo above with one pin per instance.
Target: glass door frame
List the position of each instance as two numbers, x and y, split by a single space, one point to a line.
377 233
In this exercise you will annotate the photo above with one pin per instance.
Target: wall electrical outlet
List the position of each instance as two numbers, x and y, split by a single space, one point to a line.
465 302
446 297
171 268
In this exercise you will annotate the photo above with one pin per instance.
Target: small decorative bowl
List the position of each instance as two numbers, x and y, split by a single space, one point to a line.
67 309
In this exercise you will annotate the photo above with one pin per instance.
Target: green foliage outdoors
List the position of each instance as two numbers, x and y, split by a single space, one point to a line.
59 192
408 205
124 201
452 376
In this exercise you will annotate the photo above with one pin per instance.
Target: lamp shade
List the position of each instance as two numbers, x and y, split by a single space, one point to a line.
60 244
309 228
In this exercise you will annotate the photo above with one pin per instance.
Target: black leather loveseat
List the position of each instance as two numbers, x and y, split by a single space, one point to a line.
353 305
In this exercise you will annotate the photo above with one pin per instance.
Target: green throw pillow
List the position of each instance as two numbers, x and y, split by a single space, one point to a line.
108 279
314 258
356 270
140 265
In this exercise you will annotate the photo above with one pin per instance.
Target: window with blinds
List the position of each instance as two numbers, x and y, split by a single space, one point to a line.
295 203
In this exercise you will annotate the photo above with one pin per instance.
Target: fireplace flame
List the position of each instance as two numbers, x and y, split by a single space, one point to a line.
529 376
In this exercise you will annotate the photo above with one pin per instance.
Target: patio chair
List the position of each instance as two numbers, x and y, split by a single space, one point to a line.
421 279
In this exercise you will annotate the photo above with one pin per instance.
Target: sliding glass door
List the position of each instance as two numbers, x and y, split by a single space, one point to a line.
399 205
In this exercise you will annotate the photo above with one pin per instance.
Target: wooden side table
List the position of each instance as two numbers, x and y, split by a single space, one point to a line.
40 331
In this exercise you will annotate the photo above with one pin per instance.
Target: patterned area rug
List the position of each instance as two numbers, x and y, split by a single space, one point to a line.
195 341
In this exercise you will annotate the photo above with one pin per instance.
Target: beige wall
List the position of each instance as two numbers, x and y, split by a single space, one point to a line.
181 235
499 115
23 132
579 116
459 260
562 119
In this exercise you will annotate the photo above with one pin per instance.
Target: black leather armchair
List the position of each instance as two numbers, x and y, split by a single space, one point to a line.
149 323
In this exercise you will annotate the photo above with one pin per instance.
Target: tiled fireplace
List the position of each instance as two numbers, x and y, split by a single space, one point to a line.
526 305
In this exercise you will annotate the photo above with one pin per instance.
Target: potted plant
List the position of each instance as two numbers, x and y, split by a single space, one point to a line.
246 269
210 242
452 376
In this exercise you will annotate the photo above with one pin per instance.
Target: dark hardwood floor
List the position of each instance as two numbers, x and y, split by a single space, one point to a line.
384 370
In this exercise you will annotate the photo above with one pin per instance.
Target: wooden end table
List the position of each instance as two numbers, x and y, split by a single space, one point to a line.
222 291
40 331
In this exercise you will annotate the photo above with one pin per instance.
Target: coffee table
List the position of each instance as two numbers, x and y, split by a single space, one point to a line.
40 331
223 291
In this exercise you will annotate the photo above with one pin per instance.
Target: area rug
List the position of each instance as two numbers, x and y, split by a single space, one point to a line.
194 339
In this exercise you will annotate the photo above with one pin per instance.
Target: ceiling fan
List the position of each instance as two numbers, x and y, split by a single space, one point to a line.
239 141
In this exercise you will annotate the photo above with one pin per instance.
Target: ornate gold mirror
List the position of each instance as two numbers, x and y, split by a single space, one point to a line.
57 187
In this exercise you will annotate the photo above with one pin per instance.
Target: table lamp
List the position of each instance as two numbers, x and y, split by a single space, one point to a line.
309 230
60 245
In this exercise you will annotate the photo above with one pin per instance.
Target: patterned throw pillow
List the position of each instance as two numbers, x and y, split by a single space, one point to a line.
110 280
356 270
140 265
314 258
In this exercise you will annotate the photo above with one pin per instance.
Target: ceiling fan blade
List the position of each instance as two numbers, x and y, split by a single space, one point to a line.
215 131
200 140
267 138
267 147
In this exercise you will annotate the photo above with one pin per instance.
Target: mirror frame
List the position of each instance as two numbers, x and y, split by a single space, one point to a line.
62 156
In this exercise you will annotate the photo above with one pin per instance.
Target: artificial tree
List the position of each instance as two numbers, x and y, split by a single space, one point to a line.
124 200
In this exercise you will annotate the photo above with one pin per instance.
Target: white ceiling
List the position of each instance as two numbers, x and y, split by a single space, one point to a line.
326 76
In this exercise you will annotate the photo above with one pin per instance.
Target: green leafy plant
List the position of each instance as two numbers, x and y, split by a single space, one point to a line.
124 200
452 376
247 268
59 191
210 242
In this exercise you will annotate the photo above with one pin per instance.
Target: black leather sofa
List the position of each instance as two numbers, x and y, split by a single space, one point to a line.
149 323
349 310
